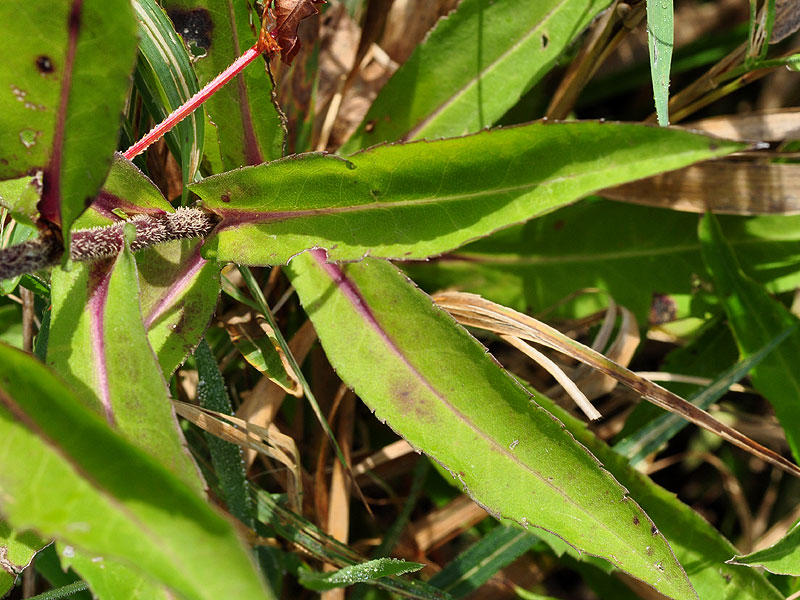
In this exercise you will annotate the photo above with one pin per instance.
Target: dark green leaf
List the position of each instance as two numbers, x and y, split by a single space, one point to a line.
360 573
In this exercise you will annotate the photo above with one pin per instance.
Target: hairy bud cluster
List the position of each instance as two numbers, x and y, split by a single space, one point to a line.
105 242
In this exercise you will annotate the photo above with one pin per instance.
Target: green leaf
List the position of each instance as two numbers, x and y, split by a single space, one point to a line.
756 318
110 579
783 557
12 234
68 65
699 547
99 346
166 79
178 292
20 196
660 37
178 289
388 341
67 475
473 567
361 573
632 252
217 32
17 549
472 68
424 198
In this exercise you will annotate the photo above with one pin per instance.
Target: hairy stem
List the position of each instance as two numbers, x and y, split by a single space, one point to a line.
103 242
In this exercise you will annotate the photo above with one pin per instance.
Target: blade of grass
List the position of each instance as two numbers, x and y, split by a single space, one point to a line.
649 439
660 37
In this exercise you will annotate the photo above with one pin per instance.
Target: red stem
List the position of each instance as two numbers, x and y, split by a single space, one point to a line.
192 103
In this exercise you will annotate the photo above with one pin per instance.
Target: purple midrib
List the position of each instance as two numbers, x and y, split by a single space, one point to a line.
99 279
50 204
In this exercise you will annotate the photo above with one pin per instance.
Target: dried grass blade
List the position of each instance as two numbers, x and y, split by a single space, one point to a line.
471 309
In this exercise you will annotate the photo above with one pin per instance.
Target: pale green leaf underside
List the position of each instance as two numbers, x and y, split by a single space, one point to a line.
436 386
420 199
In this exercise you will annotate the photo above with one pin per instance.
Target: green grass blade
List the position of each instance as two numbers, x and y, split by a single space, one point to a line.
473 567
649 439
226 457
366 572
660 38
756 318
166 79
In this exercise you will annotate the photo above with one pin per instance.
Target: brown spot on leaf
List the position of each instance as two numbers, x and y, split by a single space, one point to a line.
225 197
635 520
370 126
44 64
195 26
653 530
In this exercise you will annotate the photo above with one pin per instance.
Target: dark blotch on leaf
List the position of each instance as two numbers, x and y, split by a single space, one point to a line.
635 520
44 64
545 41
713 146
653 529
195 26
225 197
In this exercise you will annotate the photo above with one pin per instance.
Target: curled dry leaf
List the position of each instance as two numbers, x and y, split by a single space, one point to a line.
288 14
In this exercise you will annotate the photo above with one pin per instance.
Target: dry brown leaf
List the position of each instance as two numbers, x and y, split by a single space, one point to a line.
777 125
474 311
443 524
735 187
288 14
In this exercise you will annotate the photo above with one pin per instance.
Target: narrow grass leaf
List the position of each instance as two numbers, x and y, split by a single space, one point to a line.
296 529
782 558
98 493
660 38
756 318
361 573
166 79
419 199
473 567
473 67
388 341
226 457
650 438
64 90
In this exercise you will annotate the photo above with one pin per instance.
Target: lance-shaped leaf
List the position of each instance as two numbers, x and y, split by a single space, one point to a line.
701 549
99 346
783 557
361 573
637 254
472 68
424 198
165 75
17 549
178 289
756 318
64 88
217 32
425 375
66 474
